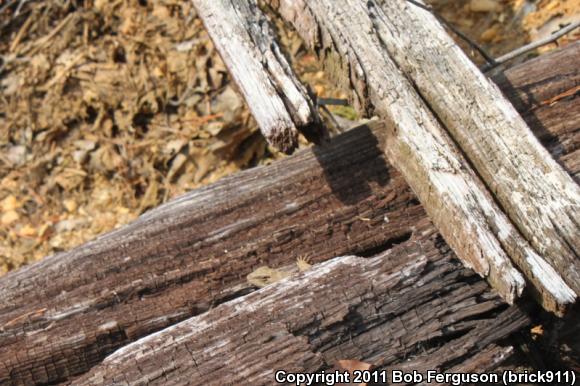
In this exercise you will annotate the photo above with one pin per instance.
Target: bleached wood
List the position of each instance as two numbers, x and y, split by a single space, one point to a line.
453 196
247 44
536 193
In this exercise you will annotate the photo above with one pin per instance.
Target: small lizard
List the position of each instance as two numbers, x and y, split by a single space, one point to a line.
263 276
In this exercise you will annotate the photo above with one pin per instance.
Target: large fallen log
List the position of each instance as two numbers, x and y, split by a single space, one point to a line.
394 309
350 39
63 315
247 44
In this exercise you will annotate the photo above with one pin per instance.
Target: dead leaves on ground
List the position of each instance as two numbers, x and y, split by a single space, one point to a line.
107 110
504 25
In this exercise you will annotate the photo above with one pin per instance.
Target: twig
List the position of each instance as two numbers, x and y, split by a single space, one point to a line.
20 6
488 58
22 32
40 43
532 46
5 6
15 13
331 117
331 101
554 99
189 91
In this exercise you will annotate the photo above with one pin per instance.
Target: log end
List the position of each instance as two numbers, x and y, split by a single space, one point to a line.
282 137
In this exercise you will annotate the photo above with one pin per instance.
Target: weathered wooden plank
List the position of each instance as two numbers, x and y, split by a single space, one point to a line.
538 196
388 309
418 145
247 44
64 314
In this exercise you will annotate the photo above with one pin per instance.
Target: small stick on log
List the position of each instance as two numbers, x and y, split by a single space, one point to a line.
532 46
350 33
247 44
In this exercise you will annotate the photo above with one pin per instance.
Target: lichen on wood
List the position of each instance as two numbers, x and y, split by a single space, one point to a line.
533 190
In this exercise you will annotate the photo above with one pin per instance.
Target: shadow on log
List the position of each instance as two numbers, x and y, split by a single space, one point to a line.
446 120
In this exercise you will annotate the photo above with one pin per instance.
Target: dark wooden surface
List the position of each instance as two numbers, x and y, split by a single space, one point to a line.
545 92
413 307
63 315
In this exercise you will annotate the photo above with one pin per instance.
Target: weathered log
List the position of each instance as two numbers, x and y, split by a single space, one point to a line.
456 200
383 310
247 44
61 316
541 92
538 196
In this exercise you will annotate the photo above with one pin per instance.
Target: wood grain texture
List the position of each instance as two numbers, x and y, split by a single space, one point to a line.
547 90
385 310
61 316
456 200
248 46
541 199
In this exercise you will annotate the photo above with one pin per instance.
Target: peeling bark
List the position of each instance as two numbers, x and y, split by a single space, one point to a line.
63 315
462 208
247 44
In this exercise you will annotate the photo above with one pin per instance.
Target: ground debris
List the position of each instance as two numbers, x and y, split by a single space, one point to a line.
108 110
